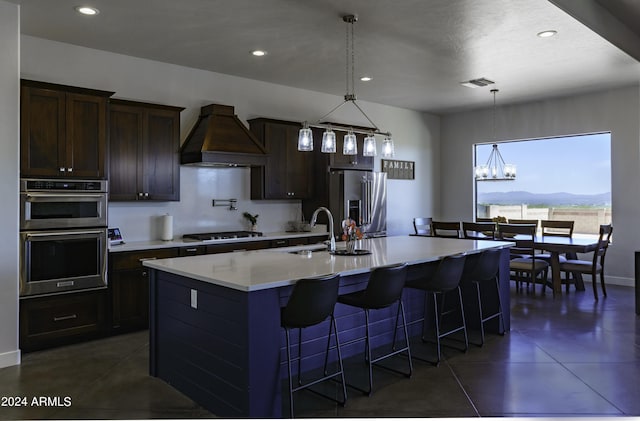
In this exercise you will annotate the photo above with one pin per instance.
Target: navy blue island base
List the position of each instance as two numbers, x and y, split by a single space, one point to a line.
227 352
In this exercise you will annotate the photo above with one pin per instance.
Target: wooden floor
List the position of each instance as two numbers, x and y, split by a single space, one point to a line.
568 356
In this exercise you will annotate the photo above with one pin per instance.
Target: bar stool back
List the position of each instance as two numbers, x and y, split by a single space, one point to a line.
311 302
445 279
482 273
384 289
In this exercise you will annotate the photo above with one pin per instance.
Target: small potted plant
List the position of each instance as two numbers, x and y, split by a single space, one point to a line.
253 219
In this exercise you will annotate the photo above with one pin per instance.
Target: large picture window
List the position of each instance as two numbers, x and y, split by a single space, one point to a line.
559 178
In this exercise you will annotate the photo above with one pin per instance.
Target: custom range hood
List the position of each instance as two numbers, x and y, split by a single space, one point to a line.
219 138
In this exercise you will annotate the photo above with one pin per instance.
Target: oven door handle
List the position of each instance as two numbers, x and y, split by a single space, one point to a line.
51 234
63 196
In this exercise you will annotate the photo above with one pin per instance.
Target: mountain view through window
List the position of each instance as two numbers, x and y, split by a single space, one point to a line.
560 178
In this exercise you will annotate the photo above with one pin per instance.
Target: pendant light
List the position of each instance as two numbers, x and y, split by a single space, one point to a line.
495 169
369 147
350 147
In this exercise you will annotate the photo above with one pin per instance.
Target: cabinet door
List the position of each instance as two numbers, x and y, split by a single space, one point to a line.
130 299
125 147
340 161
86 139
160 155
42 137
299 167
287 174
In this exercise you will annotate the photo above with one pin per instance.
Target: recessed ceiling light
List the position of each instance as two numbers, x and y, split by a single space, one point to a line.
366 78
87 10
259 53
547 34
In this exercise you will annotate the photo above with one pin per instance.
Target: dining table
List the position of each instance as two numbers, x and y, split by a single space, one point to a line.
570 246
555 246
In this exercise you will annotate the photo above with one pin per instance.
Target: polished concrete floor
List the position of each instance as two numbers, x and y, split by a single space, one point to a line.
568 356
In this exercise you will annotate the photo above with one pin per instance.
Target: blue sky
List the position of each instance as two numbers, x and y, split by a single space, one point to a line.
575 164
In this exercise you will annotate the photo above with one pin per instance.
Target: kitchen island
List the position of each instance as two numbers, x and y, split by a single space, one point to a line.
215 330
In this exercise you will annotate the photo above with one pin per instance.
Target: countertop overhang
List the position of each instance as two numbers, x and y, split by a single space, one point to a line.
272 268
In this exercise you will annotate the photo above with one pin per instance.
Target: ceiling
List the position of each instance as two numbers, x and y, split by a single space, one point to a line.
417 51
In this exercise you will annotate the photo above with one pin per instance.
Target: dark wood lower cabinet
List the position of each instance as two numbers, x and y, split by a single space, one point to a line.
62 319
129 288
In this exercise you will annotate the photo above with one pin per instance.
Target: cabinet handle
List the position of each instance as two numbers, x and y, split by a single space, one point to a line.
193 250
69 317
142 259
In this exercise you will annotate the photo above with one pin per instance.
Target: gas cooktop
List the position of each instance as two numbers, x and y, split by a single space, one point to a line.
226 235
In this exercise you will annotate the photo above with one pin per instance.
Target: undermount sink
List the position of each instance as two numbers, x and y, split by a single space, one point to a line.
308 250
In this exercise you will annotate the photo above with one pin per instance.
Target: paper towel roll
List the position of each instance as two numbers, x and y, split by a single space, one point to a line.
166 227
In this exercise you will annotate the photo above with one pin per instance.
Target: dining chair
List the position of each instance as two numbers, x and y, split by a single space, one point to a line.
383 290
445 229
525 266
556 228
524 221
422 226
595 266
479 230
311 302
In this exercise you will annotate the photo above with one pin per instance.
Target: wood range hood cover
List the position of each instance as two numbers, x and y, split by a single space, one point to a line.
219 138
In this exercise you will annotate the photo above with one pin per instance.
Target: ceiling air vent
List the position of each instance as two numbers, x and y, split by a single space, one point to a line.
477 83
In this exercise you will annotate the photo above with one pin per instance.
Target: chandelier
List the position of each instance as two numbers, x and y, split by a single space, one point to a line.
350 146
495 169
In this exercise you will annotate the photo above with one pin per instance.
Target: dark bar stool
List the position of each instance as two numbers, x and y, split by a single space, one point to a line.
311 302
481 273
445 279
383 290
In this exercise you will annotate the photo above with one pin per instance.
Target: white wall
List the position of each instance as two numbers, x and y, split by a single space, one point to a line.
614 110
416 135
9 141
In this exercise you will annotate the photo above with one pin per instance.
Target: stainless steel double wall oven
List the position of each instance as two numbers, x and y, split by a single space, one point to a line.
63 235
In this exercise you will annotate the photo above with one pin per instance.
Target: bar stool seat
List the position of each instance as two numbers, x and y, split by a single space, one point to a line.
446 278
384 289
311 302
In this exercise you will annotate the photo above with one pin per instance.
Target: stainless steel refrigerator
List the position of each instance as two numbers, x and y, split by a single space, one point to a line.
361 196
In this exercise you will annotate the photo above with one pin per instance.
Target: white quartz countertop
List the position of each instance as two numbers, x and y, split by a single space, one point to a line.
179 242
273 268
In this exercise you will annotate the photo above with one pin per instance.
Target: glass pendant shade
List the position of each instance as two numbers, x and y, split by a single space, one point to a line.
388 150
305 139
369 147
329 141
350 147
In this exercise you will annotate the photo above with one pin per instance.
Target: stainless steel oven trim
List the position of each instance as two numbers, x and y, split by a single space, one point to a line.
63 284
26 199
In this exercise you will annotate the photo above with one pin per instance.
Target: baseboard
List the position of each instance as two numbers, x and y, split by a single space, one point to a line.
613 280
8 359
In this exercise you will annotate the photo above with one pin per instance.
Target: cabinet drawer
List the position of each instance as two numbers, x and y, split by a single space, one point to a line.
61 319
134 259
283 242
249 245
192 251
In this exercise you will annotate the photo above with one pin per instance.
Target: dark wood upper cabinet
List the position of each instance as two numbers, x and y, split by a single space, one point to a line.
144 142
338 160
288 173
63 131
